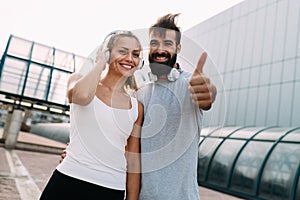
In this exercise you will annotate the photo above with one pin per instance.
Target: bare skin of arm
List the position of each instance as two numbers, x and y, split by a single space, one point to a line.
133 158
82 88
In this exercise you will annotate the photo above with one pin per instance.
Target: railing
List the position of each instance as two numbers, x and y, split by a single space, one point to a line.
34 75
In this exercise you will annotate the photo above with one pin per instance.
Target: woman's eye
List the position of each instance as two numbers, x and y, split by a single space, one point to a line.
136 55
123 52
154 44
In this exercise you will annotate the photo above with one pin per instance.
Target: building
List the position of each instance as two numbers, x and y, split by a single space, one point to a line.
255 46
251 144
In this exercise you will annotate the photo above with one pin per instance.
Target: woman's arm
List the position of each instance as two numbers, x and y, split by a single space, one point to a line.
82 88
133 151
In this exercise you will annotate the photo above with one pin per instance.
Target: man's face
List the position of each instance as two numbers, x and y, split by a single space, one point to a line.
163 52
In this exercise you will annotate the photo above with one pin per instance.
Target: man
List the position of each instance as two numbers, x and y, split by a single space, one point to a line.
173 106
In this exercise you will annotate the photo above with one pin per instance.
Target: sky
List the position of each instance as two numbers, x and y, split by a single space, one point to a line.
78 26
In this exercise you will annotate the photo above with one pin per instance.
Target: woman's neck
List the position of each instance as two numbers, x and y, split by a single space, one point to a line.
113 84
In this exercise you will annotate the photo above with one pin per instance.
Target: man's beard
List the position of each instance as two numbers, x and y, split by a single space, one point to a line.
162 68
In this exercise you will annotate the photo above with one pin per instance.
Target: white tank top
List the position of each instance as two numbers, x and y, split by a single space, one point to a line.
98 136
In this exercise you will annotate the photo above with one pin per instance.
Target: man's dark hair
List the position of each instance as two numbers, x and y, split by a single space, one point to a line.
164 23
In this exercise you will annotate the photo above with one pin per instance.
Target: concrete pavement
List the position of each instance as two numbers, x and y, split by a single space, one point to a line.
25 170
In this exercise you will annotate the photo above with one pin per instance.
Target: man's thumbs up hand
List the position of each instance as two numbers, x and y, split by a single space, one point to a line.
203 93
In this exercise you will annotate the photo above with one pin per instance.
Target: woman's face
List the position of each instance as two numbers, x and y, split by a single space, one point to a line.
125 56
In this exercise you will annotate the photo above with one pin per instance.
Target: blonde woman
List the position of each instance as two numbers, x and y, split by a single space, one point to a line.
103 159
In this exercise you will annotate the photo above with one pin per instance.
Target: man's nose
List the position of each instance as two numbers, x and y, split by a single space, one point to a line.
160 47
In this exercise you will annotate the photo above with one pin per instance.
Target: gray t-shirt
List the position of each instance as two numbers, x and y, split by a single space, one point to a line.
169 141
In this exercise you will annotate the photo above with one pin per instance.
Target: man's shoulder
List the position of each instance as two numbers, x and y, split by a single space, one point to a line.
186 74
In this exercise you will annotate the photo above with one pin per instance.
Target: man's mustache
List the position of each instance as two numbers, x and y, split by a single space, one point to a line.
154 55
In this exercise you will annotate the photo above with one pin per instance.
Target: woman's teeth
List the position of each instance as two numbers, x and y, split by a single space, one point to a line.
127 66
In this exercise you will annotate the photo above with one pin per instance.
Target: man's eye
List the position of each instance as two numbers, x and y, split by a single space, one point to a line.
168 44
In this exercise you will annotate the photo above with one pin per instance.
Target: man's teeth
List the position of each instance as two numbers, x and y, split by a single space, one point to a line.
160 58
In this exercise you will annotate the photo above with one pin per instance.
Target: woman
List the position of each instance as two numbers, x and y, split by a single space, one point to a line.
103 153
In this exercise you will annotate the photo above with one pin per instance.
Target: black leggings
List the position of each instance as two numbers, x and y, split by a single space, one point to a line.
61 186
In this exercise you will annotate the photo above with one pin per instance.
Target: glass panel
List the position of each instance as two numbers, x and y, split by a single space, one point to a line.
222 162
245 76
265 74
218 40
269 34
261 4
272 113
231 45
239 47
297 195
254 79
297 69
291 30
296 105
249 44
293 136
248 165
252 6
246 132
289 70
63 60
206 150
272 1
224 132
42 54
285 109
37 83
279 172
13 74
58 89
201 139
227 77
240 107
261 106
250 113
208 130
271 134
276 72
280 29
222 48
236 10
19 48
258 37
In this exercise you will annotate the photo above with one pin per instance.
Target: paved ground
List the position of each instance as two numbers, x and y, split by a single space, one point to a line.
25 171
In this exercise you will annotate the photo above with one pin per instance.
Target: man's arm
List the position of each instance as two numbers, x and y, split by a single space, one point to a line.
63 154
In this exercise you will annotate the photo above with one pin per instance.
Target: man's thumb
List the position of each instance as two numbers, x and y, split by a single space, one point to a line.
200 64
